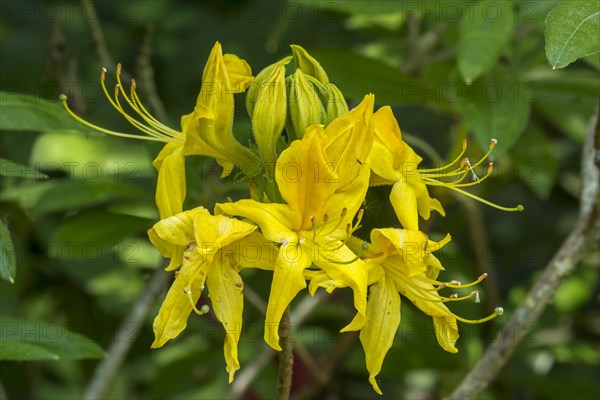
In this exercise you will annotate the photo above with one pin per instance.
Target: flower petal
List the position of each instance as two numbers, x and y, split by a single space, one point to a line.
214 232
170 187
305 179
274 220
225 288
176 308
288 280
337 264
404 201
383 319
446 332
348 140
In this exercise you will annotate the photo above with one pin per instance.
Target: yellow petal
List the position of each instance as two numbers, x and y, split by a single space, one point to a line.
351 198
238 72
305 179
446 332
348 140
354 274
274 220
172 235
225 288
215 108
195 145
404 201
214 232
255 251
288 280
176 308
383 319
170 187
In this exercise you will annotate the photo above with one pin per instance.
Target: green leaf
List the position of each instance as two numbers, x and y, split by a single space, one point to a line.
363 7
11 169
23 112
572 32
8 264
38 340
495 107
357 76
484 32
88 235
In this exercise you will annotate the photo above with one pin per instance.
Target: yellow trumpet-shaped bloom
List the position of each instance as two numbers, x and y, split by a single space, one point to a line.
211 251
314 222
206 131
400 262
395 163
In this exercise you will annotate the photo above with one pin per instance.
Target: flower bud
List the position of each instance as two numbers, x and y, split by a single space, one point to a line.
309 65
336 104
267 106
305 104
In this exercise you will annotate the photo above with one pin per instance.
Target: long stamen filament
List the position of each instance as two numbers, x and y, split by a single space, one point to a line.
148 117
63 99
464 148
489 203
139 125
433 182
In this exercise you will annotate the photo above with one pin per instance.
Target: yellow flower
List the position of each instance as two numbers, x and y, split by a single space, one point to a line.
210 249
206 131
315 220
400 262
395 163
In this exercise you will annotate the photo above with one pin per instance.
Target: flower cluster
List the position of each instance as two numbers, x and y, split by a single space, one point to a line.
313 163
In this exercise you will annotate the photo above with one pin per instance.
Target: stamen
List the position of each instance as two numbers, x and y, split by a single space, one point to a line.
489 203
63 99
203 310
325 217
464 148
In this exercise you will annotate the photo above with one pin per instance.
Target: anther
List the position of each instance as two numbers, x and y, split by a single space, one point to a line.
454 296
456 283
133 85
464 144
482 276
103 73
326 217
119 68
493 143
476 293
343 213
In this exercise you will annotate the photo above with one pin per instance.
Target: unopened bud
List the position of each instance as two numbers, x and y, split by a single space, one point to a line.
309 65
267 107
305 105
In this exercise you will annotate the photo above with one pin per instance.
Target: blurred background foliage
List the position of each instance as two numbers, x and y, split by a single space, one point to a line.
75 204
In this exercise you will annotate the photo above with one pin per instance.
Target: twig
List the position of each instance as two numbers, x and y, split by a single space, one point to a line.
286 358
119 348
579 241
91 17
146 72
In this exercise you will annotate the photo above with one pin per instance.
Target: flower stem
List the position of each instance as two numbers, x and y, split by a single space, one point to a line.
286 358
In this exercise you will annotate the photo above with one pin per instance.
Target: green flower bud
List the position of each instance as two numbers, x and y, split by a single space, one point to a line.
305 105
267 106
309 65
336 104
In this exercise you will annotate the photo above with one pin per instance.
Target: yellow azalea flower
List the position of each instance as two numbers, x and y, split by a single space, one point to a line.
206 131
395 163
314 221
400 262
210 251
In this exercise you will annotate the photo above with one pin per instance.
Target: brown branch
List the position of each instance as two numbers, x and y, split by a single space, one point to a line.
286 358
108 368
146 72
580 240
